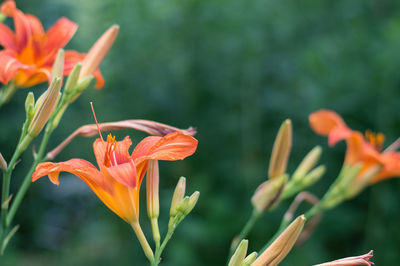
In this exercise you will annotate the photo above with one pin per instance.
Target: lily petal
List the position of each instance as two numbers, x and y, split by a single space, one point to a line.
9 66
7 37
171 147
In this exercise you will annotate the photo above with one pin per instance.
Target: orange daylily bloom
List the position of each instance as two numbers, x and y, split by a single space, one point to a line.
29 53
118 181
360 149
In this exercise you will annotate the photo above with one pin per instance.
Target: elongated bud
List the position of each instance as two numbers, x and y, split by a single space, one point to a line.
249 259
278 250
58 66
72 80
44 107
350 261
152 182
308 163
98 51
183 205
179 193
30 106
268 193
281 150
3 162
362 180
192 202
240 253
313 176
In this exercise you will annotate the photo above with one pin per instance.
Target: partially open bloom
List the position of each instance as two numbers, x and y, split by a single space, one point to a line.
365 150
29 52
118 181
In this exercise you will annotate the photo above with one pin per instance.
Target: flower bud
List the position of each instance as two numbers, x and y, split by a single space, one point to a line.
98 51
281 150
278 250
362 180
182 206
249 259
268 193
30 106
313 176
3 162
192 202
58 66
152 182
44 107
179 193
72 80
308 163
240 253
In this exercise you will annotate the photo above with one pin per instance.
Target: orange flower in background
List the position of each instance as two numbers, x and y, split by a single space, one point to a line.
366 150
29 53
118 181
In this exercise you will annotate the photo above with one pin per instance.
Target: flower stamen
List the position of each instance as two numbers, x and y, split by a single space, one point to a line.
375 139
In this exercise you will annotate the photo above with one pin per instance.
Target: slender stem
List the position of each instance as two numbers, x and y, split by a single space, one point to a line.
245 231
164 243
143 242
156 232
6 191
27 180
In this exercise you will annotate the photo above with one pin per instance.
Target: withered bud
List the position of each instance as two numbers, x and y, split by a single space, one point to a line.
281 150
351 261
150 127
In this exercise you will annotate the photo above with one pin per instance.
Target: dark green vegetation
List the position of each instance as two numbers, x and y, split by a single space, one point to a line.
235 70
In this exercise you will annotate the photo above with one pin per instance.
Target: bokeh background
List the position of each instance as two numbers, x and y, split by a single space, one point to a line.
234 70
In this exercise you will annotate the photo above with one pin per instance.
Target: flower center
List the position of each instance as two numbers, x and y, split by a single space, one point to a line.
109 157
375 139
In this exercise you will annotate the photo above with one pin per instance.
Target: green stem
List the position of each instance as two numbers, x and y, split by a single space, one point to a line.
159 251
245 231
143 242
6 188
27 180
156 232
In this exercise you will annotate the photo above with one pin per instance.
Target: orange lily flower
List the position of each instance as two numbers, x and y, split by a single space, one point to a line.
118 181
29 53
366 150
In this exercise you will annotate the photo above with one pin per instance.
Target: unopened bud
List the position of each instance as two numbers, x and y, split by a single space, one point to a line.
3 162
268 193
30 106
183 205
240 253
152 182
249 259
44 107
179 193
98 51
313 176
58 66
192 202
278 250
362 180
72 80
308 163
82 85
281 150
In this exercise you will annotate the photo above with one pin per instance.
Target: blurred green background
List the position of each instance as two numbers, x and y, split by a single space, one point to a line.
234 70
